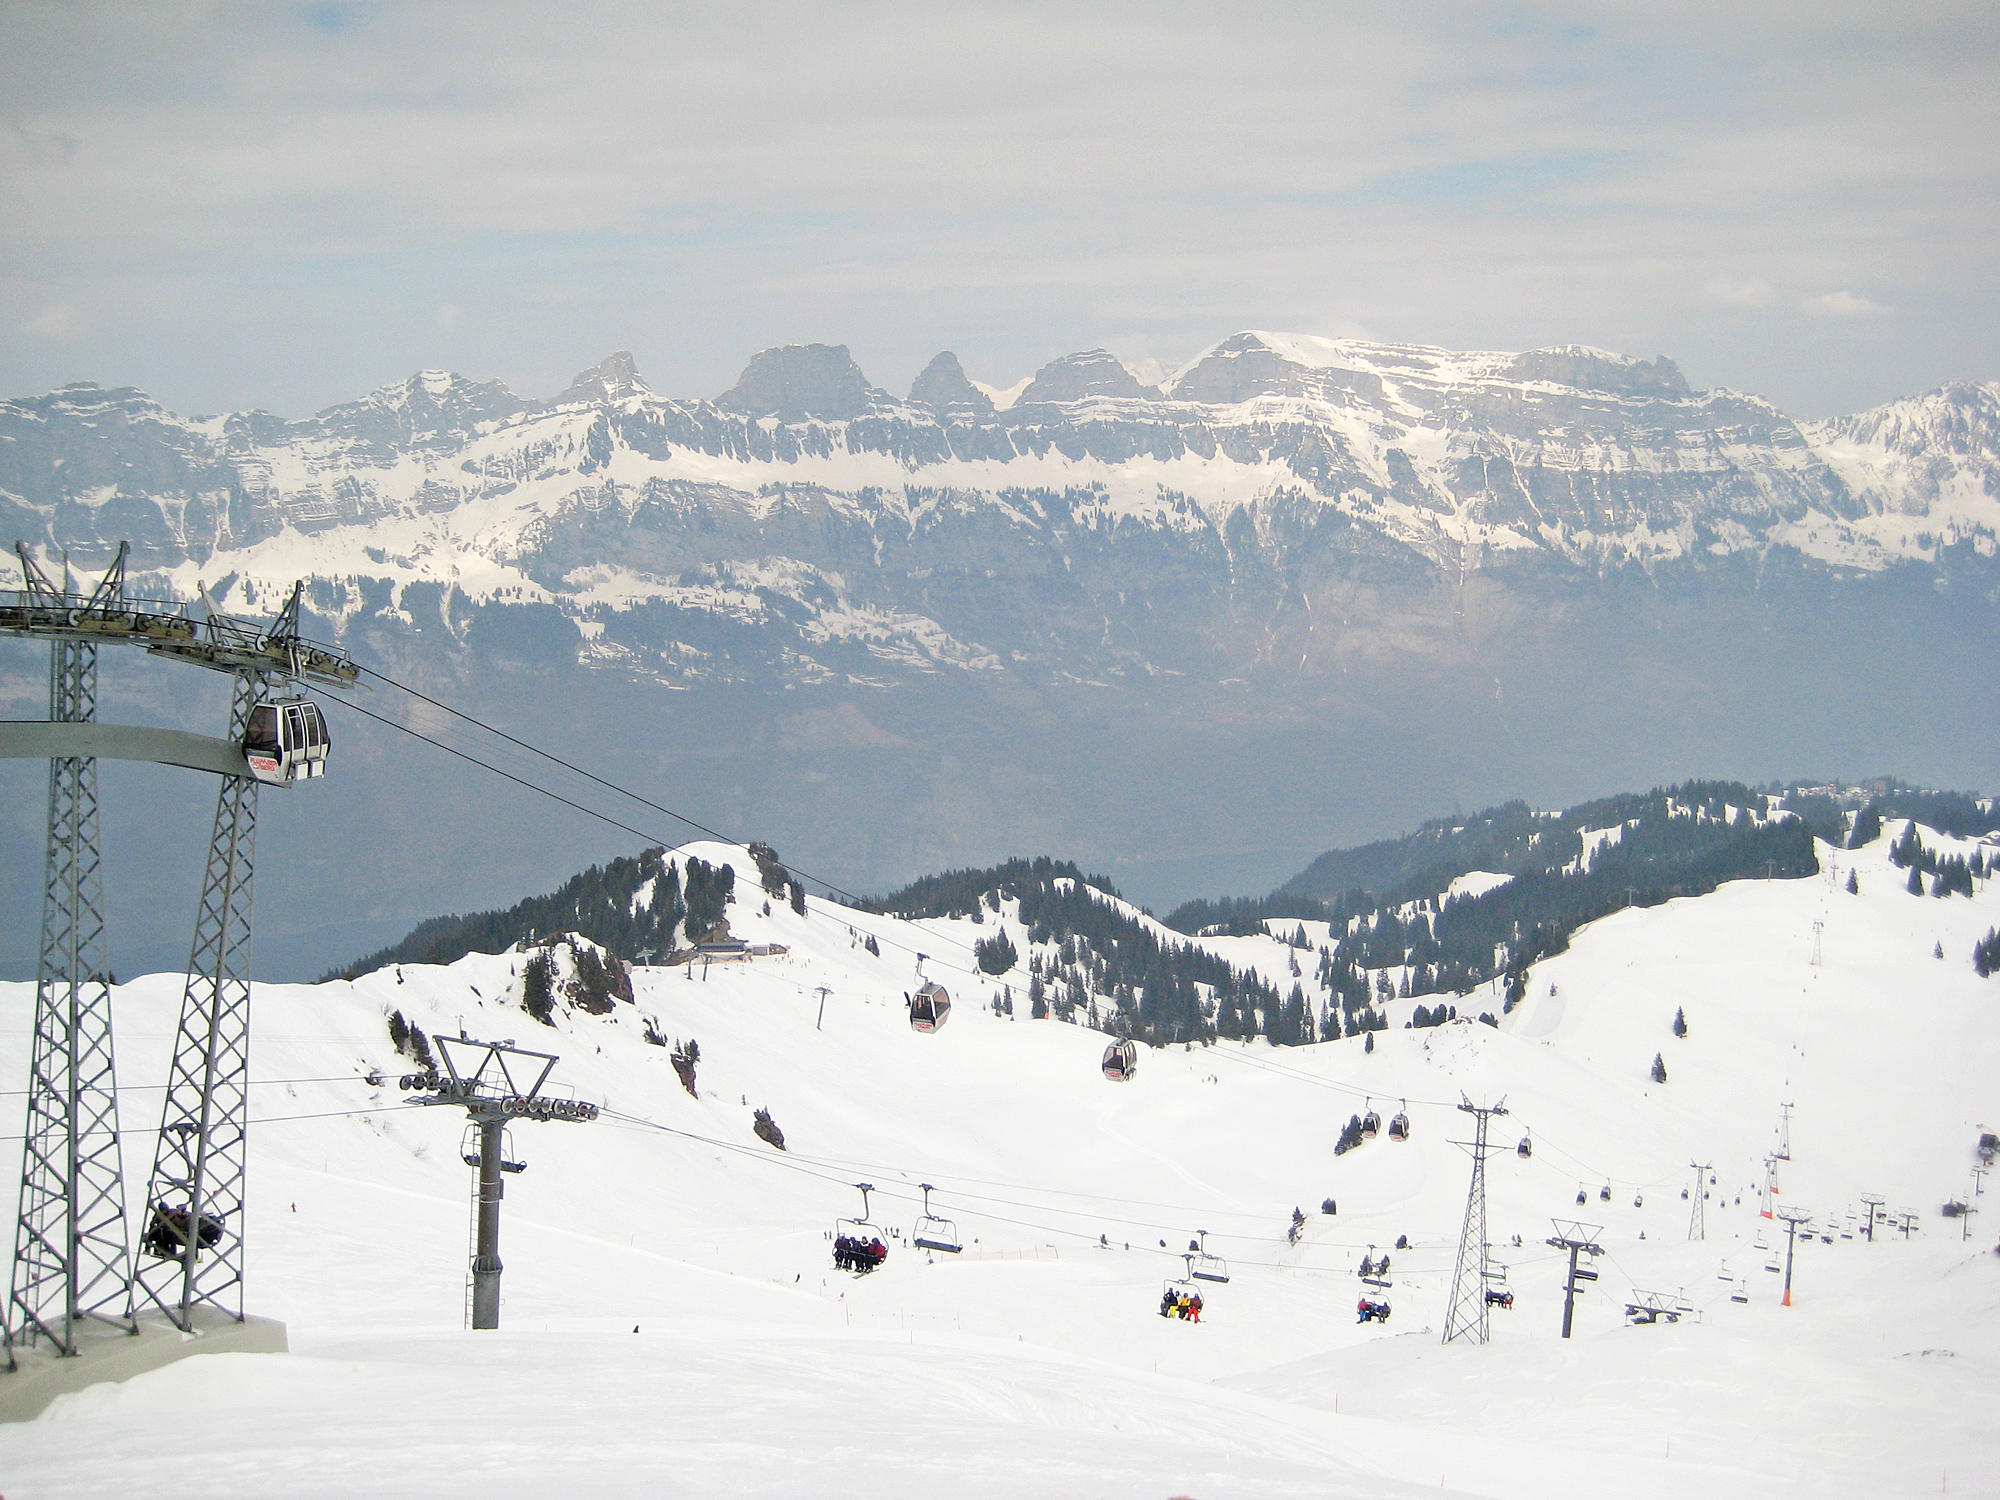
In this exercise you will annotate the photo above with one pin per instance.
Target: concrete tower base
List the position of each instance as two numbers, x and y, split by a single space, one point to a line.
112 1354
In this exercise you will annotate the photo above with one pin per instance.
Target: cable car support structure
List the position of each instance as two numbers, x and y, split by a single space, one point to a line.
71 1265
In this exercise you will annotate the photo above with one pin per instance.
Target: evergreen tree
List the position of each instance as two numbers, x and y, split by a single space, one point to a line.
1853 885
1680 1021
1350 1134
1986 954
1368 1043
420 1048
1659 1068
1916 885
1298 1228
997 954
538 987
1867 826
873 950
797 893
399 1031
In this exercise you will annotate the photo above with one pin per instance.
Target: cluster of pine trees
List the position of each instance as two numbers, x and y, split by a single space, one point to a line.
600 904
1986 954
1951 874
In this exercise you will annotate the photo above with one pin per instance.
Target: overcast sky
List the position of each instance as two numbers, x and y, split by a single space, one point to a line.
283 206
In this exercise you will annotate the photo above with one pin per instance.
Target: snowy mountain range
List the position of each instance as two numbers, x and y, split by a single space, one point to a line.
806 525
1296 595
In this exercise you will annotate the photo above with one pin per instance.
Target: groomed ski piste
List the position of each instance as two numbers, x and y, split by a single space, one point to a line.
672 1325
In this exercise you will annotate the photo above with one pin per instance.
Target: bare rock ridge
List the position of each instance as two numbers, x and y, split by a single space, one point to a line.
800 382
1074 377
943 386
807 526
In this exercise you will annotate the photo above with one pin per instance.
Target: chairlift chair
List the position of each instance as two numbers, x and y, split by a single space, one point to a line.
932 1232
858 1232
1204 1266
1741 1294
930 1007
469 1153
1121 1060
286 741
1177 1287
1399 1128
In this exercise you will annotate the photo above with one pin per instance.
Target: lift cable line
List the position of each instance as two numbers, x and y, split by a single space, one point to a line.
612 786
606 818
1466 1313
808 1167
71 1262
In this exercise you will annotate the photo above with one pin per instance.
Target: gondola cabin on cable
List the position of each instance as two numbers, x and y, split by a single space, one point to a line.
1371 1125
930 1007
1526 1149
1399 1128
1121 1060
286 741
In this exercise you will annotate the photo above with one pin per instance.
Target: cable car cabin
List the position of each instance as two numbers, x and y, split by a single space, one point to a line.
1604 1193
1526 1149
930 1007
1371 1125
286 741
1399 1128
1121 1060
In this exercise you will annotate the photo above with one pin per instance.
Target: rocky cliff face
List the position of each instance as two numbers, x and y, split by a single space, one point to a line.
1279 487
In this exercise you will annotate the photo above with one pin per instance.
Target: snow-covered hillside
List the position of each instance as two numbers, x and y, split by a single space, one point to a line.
672 1325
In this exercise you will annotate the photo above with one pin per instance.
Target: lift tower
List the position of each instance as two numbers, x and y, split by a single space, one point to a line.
1466 1314
70 1258
502 1086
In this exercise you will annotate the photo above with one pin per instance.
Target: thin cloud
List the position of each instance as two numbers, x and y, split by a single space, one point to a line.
1841 305
1012 182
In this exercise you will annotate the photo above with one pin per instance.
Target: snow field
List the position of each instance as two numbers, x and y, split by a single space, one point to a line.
1035 1363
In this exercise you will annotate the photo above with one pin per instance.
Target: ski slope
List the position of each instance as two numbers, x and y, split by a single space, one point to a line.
672 1326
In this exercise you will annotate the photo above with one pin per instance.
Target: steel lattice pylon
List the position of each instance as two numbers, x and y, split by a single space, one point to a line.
1465 1315
191 1248
70 1255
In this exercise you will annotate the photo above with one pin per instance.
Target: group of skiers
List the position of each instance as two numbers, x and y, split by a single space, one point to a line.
1375 1267
1371 1307
851 1253
1175 1303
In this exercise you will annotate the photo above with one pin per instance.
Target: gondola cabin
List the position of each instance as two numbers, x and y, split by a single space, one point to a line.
1371 1125
930 1007
286 741
1121 1060
1399 1128
1526 1149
